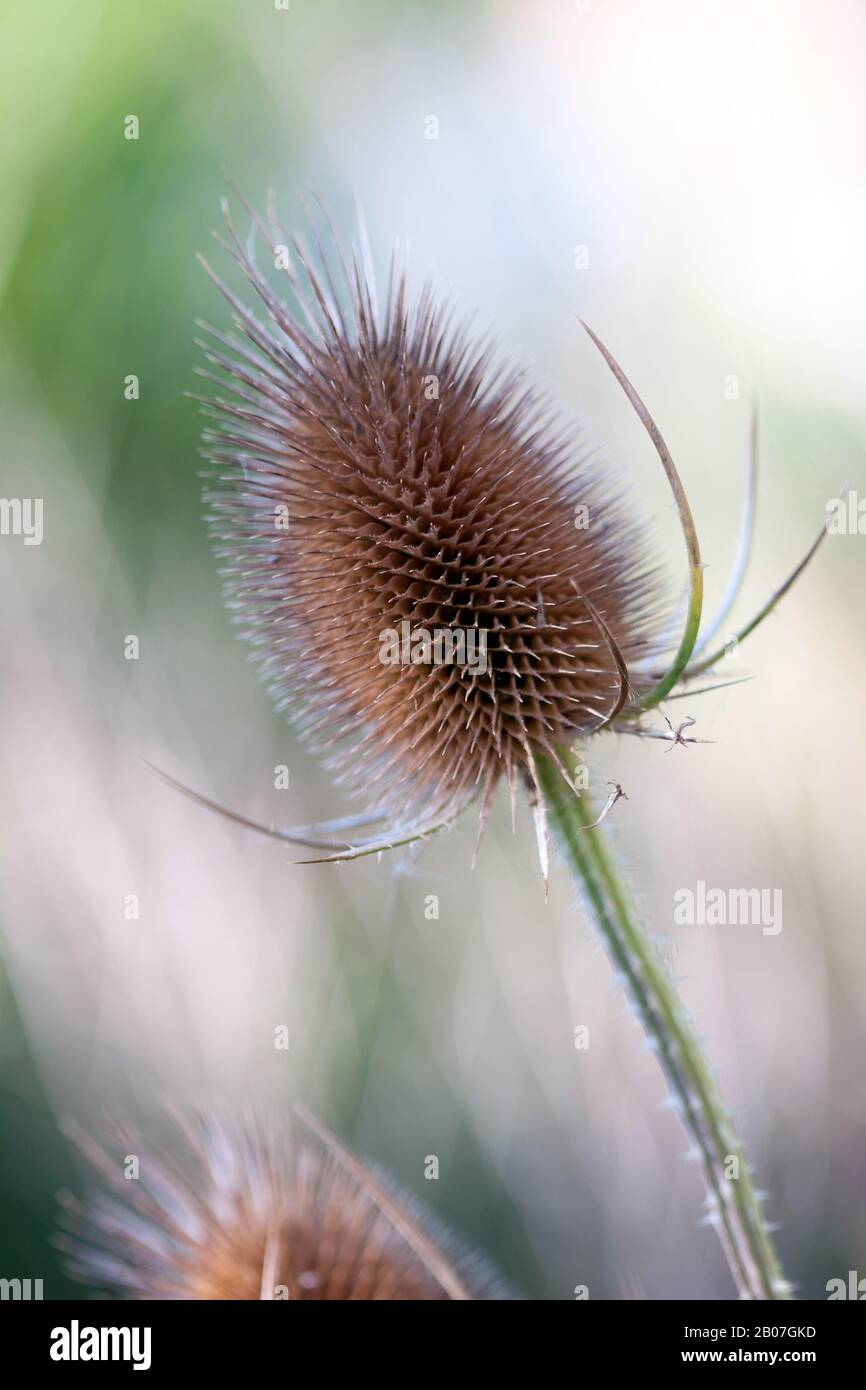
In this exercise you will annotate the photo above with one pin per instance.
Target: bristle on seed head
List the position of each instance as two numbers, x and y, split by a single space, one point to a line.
437 586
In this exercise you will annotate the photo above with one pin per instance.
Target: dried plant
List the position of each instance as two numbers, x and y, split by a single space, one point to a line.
423 484
371 469
245 1209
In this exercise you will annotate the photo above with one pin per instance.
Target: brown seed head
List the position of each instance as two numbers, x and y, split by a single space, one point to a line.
239 1210
382 482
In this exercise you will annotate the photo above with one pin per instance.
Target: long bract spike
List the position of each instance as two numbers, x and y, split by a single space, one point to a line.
744 549
417 1240
690 534
297 835
708 661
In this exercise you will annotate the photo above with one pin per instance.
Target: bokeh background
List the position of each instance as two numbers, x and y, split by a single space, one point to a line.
709 159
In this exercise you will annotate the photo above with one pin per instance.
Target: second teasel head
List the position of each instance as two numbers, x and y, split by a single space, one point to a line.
223 1207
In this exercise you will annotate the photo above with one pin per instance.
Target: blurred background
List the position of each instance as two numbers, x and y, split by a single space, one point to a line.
688 178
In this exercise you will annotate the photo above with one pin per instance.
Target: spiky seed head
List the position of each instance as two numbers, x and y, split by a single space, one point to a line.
228 1209
379 477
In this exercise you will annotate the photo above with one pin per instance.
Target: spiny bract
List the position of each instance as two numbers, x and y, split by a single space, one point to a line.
380 479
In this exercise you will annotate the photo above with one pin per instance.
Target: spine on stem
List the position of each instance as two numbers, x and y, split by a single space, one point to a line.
733 1206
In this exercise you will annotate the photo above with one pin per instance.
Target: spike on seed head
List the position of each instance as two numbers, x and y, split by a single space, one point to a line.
242 1210
380 476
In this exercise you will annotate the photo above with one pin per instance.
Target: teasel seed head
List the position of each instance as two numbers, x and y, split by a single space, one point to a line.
238 1209
378 472
380 478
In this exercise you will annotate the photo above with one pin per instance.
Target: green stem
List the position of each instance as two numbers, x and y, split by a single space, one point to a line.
733 1203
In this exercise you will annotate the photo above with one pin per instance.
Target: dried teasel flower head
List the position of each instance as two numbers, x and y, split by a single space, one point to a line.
437 584
240 1209
381 479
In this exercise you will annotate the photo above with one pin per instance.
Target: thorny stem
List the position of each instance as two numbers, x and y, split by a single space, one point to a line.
733 1204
